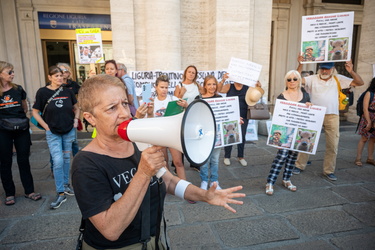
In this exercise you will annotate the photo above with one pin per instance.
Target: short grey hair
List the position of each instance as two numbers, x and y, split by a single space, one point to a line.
122 66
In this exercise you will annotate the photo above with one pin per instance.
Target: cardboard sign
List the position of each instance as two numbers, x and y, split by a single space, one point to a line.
244 71
296 126
327 37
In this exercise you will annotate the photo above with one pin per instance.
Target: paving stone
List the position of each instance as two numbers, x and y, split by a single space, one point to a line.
307 245
283 200
186 237
355 241
364 212
325 221
44 227
354 193
248 232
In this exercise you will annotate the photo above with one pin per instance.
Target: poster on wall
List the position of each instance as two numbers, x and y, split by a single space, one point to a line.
296 126
89 42
227 116
244 71
327 37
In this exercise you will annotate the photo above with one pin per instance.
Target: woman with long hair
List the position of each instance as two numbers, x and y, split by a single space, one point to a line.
13 111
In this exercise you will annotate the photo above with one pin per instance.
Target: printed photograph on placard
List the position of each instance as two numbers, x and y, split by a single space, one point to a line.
218 141
338 49
313 51
305 140
230 131
281 136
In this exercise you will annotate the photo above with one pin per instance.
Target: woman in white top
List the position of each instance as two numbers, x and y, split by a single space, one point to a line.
189 87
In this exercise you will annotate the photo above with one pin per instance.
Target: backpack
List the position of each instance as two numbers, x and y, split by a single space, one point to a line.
360 102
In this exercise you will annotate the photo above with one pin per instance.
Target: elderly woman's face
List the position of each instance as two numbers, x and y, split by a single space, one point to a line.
111 111
292 82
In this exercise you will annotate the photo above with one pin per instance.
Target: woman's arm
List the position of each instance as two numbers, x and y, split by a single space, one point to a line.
24 106
112 222
76 115
39 119
221 87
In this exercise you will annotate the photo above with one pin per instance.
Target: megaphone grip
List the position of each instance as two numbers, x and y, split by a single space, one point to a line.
161 172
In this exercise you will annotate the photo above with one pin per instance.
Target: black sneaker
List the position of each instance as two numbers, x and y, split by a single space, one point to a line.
59 200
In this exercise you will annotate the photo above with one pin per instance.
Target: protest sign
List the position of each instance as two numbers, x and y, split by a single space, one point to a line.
227 116
89 42
296 126
244 71
327 37
175 78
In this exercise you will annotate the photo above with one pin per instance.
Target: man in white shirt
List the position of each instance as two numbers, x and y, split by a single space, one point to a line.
323 91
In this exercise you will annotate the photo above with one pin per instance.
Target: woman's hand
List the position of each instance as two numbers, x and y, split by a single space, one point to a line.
224 197
258 84
152 159
75 124
309 104
368 126
145 108
182 103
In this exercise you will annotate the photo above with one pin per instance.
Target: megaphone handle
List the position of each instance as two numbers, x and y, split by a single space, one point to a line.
161 172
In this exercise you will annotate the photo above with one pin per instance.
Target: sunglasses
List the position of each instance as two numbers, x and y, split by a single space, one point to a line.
10 72
290 79
64 70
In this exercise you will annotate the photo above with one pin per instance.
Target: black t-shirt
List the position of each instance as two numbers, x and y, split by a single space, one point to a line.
59 113
100 180
305 97
72 85
11 103
241 97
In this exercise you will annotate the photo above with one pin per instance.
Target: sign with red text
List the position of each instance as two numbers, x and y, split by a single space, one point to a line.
296 126
227 116
327 37
89 43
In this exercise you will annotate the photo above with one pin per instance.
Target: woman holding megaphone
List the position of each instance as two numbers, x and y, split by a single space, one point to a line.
120 198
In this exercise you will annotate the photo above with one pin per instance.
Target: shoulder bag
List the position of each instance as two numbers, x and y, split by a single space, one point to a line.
343 99
258 112
33 120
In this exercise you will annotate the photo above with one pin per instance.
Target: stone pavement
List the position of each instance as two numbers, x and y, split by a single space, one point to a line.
320 215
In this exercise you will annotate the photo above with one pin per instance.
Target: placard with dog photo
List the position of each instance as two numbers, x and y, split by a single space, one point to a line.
227 116
296 126
327 37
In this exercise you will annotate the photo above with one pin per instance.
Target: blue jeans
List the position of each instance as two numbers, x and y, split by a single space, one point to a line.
75 150
60 147
212 164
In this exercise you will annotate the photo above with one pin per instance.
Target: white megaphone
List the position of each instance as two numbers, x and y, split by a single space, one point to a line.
192 132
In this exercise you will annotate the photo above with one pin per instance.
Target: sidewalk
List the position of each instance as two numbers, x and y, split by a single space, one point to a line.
320 215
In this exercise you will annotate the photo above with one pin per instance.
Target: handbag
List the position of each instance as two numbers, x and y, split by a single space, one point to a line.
33 120
13 124
343 99
258 112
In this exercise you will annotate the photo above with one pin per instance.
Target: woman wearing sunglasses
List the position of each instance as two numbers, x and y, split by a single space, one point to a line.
15 131
294 93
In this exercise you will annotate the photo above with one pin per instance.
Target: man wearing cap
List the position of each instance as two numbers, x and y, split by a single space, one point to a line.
323 91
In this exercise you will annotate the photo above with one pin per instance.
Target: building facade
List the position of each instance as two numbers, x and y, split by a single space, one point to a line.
172 34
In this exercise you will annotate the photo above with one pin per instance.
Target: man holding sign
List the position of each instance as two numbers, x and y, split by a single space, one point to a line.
323 89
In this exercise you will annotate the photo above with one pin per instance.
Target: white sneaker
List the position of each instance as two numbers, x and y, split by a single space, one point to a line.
204 185
243 162
226 161
218 187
